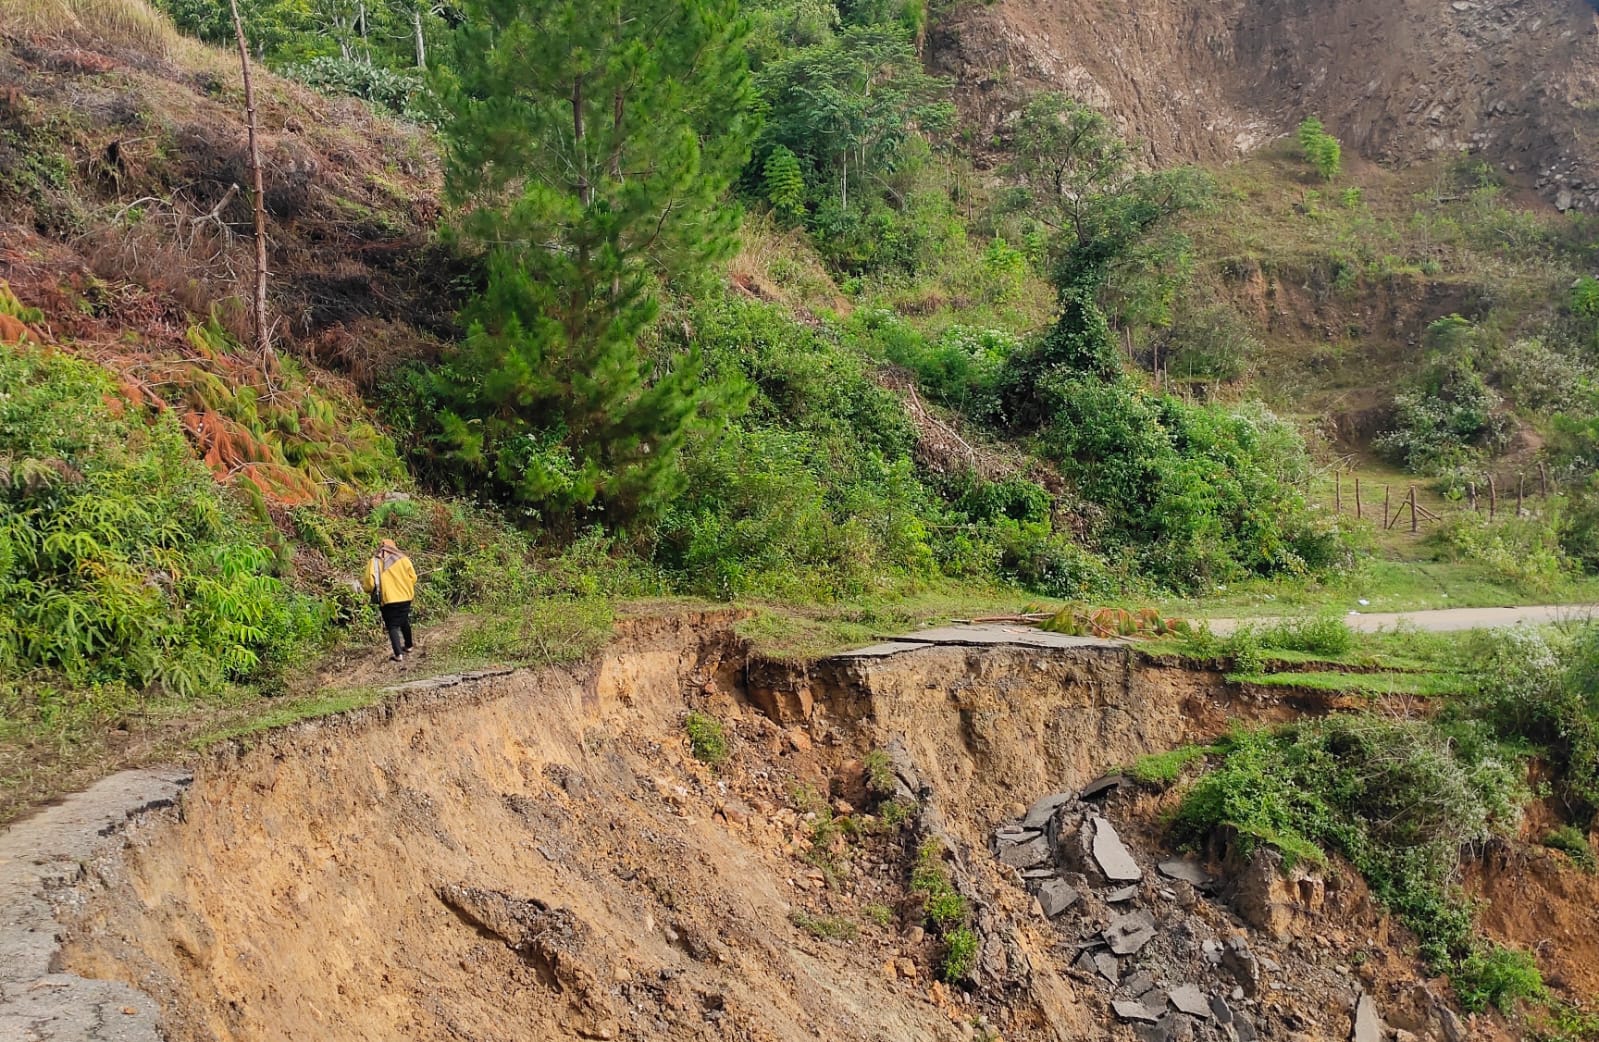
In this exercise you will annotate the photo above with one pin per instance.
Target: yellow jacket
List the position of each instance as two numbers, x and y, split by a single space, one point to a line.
399 577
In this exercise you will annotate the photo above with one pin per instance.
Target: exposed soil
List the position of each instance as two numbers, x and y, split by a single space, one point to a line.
539 856
1397 80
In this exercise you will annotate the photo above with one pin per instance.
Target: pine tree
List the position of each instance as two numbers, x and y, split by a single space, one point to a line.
785 183
591 143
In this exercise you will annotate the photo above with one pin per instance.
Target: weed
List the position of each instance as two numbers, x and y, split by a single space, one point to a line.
1400 799
1496 976
707 740
895 813
946 908
879 914
880 779
960 954
825 927
1574 843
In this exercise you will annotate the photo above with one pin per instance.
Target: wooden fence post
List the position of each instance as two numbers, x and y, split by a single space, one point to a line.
1521 493
1543 480
1493 498
1415 522
1338 491
1471 495
1385 522
1357 499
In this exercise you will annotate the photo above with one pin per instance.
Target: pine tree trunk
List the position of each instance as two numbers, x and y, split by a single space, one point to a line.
263 333
421 41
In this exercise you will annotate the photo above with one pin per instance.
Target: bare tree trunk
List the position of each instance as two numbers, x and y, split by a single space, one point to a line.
263 332
366 44
421 41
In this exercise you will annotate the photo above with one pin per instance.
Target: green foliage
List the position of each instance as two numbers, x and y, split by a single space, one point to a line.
387 88
120 562
1573 842
587 206
1320 149
1399 798
1565 1022
379 34
961 947
880 779
784 183
1496 976
847 105
1585 297
946 909
878 914
1449 415
1529 693
1318 635
707 740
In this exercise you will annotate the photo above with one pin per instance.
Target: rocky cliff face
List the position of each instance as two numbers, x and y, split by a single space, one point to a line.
1515 81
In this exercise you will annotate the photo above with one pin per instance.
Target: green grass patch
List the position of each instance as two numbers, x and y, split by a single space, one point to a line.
1165 768
1424 685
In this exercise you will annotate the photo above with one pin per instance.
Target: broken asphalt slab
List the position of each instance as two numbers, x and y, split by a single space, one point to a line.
43 853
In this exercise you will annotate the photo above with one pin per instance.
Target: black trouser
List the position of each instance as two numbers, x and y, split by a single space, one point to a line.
397 620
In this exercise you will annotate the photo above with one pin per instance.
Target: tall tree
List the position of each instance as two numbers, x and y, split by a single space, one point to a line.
591 144
846 106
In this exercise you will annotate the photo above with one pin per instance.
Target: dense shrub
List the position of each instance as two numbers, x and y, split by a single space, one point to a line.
1399 798
1448 416
1543 697
387 88
120 560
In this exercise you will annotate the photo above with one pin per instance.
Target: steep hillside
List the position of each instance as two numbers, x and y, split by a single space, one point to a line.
1510 80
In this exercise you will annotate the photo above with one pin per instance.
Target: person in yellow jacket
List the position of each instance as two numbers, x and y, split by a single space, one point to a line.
391 580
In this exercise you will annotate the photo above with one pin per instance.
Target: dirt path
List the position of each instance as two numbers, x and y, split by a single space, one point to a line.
1448 620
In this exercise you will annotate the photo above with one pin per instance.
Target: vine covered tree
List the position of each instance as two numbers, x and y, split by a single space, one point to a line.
590 144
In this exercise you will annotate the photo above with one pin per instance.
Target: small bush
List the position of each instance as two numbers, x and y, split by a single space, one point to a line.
880 779
1399 798
879 914
961 946
1496 976
1317 635
706 738
1320 149
1573 842
946 908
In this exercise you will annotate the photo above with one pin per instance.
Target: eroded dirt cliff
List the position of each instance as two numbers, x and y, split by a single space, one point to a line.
537 855
1397 80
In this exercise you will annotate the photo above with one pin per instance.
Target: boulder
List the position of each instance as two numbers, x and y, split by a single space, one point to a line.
1187 871
1054 897
1101 785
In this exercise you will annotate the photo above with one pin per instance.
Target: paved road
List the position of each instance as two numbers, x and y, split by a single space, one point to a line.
1450 620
